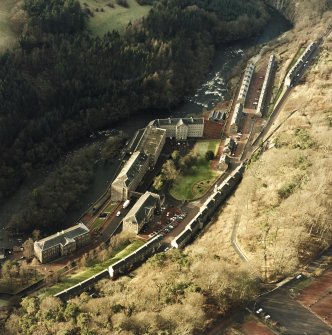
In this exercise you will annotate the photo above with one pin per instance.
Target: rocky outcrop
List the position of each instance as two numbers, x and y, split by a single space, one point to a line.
298 10
286 7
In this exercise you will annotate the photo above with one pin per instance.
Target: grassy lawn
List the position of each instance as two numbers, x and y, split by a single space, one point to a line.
100 221
7 36
197 180
75 278
116 18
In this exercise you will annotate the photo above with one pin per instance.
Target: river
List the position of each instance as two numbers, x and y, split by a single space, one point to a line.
212 91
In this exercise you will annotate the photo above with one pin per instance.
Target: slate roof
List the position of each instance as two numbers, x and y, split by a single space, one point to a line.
135 140
178 121
143 207
151 139
132 167
216 115
64 237
183 236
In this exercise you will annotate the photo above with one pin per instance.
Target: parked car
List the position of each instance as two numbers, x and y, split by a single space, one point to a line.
118 213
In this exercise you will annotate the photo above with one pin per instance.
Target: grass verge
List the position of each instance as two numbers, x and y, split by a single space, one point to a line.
98 223
93 269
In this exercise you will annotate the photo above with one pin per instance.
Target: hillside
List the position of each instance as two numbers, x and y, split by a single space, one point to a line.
283 208
107 16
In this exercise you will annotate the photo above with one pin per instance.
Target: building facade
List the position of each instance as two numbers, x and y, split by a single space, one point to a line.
142 212
130 176
181 128
62 243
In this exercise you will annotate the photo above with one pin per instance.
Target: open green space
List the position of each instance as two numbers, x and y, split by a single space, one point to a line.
7 36
105 18
195 182
97 224
93 269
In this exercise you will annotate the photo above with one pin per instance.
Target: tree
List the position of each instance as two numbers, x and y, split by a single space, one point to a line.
175 155
169 170
28 251
209 155
158 182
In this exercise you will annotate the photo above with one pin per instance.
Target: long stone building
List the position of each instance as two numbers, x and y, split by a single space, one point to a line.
246 80
301 62
266 83
62 243
181 128
130 176
142 212
151 143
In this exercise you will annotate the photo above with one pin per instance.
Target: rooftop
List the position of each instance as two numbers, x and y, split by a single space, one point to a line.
133 166
143 207
151 139
178 121
64 237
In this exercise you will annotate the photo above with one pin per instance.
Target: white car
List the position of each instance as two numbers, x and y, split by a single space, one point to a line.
267 317
118 213
259 310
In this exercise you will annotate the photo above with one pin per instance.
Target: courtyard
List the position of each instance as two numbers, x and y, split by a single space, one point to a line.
196 181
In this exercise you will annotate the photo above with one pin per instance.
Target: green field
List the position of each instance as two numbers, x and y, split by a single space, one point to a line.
97 224
195 182
7 36
88 272
107 19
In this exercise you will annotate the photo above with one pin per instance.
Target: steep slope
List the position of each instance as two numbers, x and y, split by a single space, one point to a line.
282 207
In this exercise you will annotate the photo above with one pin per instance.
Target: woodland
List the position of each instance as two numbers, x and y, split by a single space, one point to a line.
60 83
